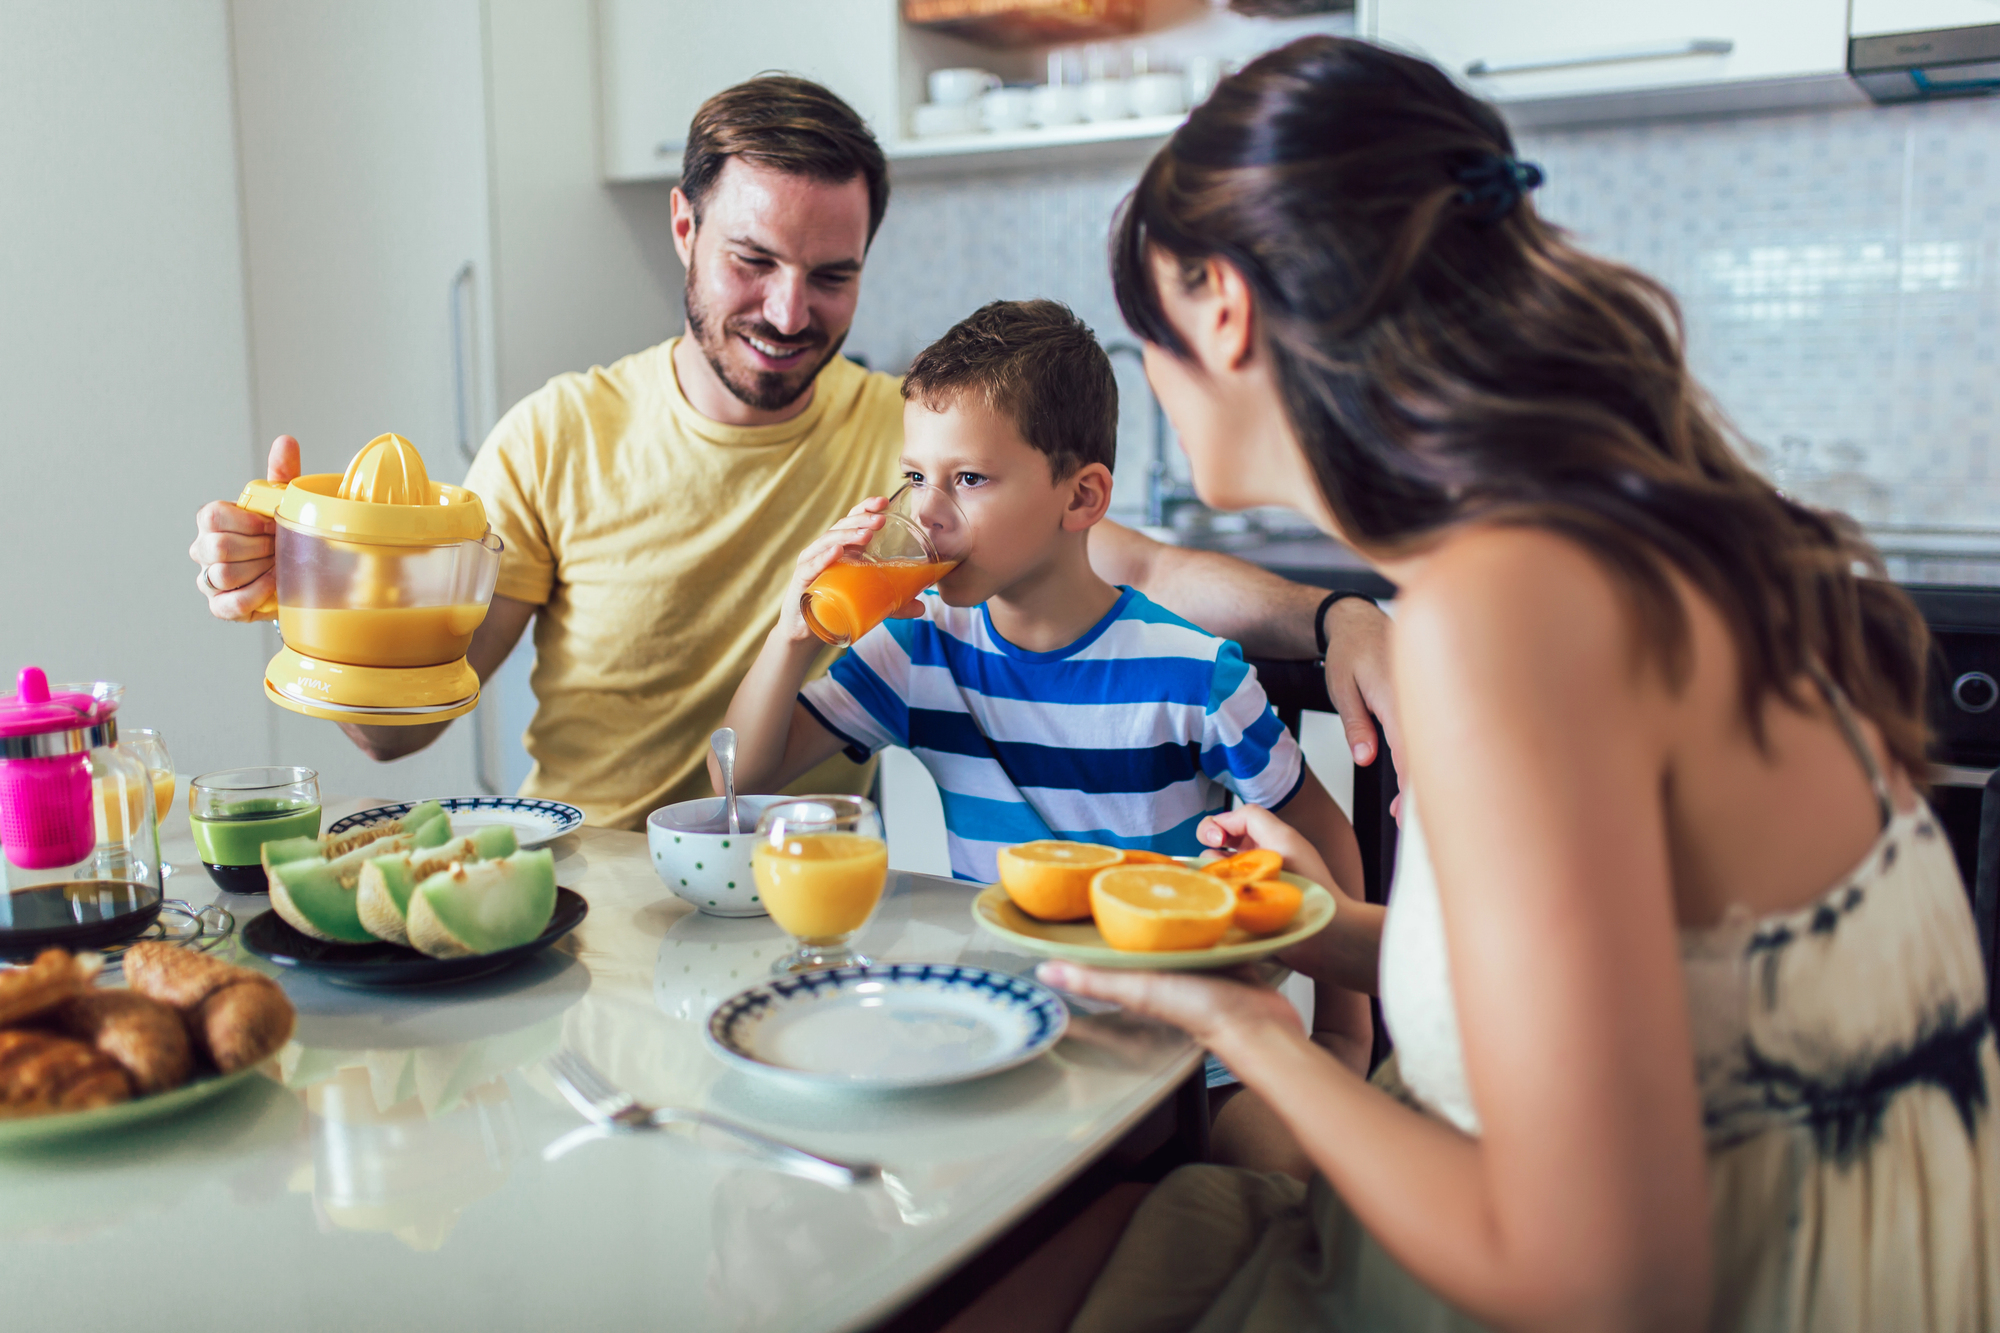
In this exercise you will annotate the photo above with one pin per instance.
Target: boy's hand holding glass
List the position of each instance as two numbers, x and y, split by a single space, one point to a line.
873 563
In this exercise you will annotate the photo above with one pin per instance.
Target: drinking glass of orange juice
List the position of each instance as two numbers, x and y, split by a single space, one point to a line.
146 745
820 863
921 540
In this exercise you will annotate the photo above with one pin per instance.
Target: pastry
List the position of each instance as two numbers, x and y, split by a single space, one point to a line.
43 984
146 1038
41 1073
236 1017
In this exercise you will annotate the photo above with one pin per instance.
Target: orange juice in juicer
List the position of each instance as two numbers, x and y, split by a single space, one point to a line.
383 575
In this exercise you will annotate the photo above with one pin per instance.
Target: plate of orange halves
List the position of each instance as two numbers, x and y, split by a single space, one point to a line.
1113 907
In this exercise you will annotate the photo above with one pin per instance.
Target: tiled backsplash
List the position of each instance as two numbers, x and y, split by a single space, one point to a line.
1839 271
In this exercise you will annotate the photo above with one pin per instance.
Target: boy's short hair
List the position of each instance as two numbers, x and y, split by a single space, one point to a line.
1036 363
791 124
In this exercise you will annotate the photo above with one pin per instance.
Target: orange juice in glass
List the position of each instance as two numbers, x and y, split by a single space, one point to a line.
145 745
922 538
820 863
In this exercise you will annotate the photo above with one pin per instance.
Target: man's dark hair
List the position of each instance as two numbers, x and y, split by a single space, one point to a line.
790 124
1038 364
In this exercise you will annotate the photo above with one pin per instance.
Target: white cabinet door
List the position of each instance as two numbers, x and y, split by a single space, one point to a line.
1876 18
361 133
1529 51
661 60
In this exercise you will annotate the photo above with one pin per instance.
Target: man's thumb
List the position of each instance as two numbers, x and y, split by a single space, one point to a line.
283 465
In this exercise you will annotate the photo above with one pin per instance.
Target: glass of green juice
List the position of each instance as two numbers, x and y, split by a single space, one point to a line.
236 811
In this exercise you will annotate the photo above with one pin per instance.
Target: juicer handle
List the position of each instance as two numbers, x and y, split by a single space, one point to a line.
262 497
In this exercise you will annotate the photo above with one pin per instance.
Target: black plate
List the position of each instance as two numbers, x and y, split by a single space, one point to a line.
268 936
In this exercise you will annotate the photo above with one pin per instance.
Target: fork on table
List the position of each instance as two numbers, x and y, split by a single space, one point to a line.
612 1110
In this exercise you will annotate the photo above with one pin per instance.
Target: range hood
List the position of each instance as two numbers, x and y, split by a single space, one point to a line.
1932 63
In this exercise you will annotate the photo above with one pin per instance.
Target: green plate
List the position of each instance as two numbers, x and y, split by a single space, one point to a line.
35 1130
1079 942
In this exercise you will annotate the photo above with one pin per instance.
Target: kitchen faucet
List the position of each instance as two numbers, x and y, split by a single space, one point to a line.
1164 492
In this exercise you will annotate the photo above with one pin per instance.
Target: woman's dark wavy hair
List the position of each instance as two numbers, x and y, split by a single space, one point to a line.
1442 366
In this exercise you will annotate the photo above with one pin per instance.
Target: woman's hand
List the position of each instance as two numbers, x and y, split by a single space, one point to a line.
1344 953
1251 826
1217 1011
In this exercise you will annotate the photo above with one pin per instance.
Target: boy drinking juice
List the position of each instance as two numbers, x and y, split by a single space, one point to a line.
1046 702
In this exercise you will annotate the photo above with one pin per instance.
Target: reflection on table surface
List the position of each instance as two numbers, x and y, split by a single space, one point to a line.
389 1169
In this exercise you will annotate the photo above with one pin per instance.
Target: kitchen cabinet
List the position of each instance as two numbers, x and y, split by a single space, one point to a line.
1874 18
1558 61
361 139
660 61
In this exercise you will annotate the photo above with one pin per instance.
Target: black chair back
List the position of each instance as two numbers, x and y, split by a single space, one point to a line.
1986 890
1294 688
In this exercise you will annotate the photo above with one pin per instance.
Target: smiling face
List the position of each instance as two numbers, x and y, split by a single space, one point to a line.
1019 518
773 272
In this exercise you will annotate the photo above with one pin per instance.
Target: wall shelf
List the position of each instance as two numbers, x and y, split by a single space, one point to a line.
1059 146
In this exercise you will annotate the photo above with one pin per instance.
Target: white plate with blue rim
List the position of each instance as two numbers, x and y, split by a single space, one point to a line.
533 820
887 1025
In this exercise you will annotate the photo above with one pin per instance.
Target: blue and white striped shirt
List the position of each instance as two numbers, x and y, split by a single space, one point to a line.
1126 737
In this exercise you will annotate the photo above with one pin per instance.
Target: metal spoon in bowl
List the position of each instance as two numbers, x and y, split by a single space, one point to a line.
723 742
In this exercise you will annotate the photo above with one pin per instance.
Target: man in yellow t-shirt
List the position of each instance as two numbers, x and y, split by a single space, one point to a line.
653 510
649 537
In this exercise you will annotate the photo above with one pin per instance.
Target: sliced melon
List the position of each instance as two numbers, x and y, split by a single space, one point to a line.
284 851
483 907
383 891
426 823
319 898
313 901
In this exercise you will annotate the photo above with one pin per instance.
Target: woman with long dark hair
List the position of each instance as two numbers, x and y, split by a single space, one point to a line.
1690 1023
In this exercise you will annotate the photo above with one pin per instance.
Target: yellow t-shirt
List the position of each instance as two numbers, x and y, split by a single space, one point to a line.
656 543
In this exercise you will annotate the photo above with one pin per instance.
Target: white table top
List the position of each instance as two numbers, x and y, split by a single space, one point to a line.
395 1178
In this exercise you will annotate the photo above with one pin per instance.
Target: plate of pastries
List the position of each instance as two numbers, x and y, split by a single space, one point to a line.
78 1057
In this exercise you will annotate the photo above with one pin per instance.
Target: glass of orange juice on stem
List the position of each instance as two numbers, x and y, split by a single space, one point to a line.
922 539
146 745
820 863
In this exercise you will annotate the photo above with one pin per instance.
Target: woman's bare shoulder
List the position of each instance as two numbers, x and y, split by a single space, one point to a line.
1499 615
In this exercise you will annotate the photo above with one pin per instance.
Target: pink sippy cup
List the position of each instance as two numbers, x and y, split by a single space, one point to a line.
46 814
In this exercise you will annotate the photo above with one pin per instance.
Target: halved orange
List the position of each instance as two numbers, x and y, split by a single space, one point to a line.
1155 908
1135 856
1050 880
1249 867
1267 907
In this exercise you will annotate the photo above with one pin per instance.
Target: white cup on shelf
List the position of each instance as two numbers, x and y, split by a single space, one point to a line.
1157 94
1106 100
1007 109
1055 104
1203 73
934 120
956 87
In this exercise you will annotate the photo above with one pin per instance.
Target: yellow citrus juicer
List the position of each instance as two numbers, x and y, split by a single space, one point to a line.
383 575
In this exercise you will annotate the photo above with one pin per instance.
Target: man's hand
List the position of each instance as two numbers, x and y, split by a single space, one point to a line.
237 550
1358 680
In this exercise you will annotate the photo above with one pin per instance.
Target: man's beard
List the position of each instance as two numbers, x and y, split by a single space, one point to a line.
764 390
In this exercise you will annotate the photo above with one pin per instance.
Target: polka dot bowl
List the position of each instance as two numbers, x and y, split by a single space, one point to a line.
696 856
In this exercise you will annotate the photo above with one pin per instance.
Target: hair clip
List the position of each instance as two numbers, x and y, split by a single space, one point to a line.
1494 185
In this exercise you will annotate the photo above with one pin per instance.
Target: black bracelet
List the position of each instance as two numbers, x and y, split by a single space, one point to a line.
1319 616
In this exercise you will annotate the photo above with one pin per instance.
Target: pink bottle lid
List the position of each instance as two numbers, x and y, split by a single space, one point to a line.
34 711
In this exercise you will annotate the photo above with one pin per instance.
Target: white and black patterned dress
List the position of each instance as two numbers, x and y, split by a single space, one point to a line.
1847 1070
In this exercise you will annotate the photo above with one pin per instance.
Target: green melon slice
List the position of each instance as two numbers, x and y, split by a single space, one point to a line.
318 898
383 892
426 822
483 907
